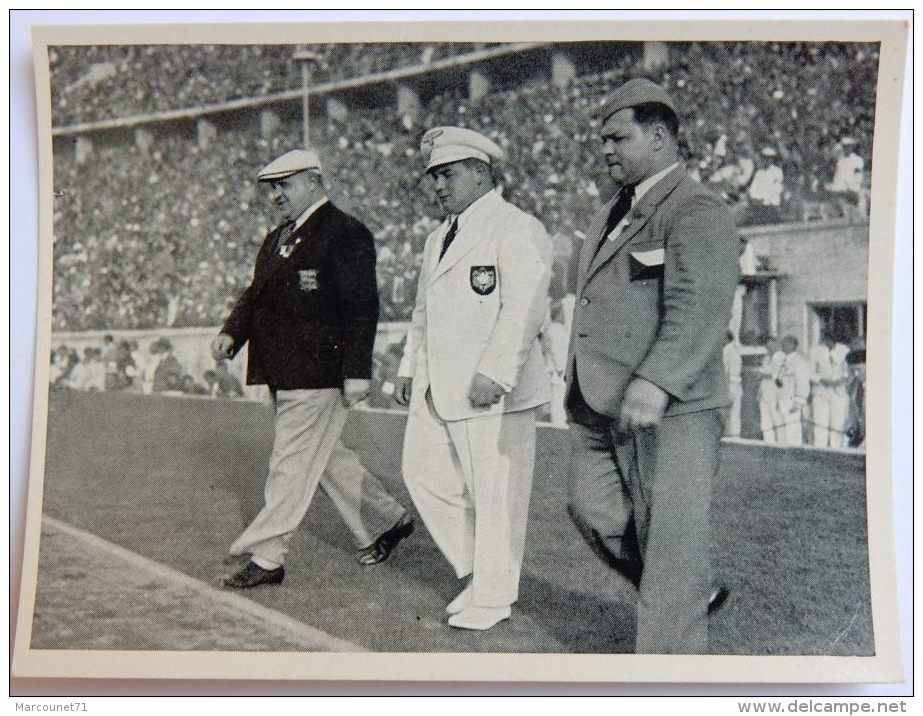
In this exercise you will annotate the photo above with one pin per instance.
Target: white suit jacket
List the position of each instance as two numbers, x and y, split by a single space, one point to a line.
796 379
480 310
829 364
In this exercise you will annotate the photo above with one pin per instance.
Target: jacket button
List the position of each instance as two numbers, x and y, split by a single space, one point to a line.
584 301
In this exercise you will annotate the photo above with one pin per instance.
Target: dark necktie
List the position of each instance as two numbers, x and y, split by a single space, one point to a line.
284 243
619 210
449 237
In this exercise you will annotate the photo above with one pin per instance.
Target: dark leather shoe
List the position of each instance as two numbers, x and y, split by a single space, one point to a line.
253 575
379 550
718 599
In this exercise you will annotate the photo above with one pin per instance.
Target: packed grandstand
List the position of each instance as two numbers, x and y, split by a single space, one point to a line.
160 228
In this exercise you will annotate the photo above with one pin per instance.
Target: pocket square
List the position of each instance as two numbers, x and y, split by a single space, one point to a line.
646 264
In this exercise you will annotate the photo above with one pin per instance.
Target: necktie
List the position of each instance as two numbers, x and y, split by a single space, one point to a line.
619 210
284 243
449 237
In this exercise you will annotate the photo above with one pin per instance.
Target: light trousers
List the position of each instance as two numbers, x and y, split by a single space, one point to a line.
307 452
769 419
829 408
471 481
734 412
790 416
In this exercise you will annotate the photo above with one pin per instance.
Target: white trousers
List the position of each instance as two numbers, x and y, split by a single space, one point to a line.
733 422
557 409
307 452
471 481
790 418
769 420
829 409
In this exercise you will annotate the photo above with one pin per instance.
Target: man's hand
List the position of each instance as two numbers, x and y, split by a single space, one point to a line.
484 392
222 347
643 405
402 390
355 390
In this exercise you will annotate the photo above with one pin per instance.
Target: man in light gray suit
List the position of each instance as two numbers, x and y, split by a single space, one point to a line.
645 381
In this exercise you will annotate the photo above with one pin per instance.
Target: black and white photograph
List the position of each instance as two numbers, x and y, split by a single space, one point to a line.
428 342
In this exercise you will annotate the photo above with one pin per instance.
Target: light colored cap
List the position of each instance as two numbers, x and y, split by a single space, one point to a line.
769 152
444 145
635 92
297 160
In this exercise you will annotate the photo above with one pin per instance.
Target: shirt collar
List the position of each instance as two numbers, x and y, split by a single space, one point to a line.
472 207
306 214
643 187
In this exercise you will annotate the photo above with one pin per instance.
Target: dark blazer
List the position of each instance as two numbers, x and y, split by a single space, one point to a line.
668 322
310 318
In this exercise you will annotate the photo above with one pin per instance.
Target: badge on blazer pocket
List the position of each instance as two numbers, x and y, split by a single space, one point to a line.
307 279
483 279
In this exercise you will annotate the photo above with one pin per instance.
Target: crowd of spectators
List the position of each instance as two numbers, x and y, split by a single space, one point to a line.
102 82
124 366
804 397
163 232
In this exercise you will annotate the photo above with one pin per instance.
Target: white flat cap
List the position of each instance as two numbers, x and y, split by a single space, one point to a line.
297 160
444 145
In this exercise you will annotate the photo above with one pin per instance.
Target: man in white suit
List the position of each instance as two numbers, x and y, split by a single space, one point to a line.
769 371
829 397
473 375
794 387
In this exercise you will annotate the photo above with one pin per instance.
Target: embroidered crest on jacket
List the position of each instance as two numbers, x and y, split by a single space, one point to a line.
483 279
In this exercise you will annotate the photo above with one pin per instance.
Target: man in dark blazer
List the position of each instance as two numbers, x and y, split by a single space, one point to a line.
310 316
645 380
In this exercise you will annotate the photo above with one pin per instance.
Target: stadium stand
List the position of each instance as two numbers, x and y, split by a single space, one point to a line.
161 232
106 81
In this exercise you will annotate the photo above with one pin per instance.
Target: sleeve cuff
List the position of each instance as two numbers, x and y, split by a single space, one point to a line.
507 388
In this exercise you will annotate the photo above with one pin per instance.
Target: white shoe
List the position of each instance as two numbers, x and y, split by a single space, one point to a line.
462 601
479 618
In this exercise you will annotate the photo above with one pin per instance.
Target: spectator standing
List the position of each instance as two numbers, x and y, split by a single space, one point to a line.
733 369
793 388
848 183
110 363
829 392
855 424
149 366
769 372
124 366
555 336
766 189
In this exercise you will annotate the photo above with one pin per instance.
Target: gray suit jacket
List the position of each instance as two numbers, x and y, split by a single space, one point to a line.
656 301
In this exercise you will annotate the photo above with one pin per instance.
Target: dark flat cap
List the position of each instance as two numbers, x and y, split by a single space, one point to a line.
635 92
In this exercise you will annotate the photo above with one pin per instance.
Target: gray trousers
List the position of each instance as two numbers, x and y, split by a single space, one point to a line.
307 452
643 501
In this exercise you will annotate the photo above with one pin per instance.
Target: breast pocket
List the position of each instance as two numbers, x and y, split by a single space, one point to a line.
646 261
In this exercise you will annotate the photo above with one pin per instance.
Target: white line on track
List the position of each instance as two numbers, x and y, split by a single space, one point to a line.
311 638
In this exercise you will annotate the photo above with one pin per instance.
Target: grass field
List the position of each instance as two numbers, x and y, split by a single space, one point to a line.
176 480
